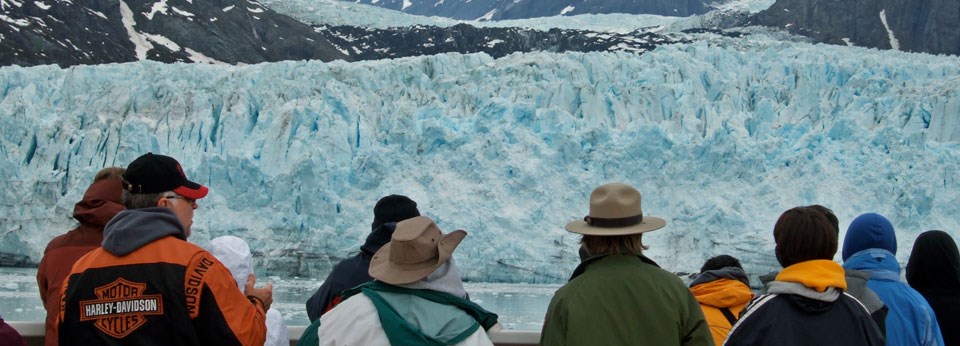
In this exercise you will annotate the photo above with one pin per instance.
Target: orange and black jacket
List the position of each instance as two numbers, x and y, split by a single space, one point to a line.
722 294
148 286
100 203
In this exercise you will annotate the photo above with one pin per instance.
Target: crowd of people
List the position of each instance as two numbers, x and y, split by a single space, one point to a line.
127 275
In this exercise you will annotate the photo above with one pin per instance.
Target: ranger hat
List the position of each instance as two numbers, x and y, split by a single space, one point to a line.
615 210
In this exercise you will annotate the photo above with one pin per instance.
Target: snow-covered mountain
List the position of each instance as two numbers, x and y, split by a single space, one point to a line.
246 33
520 9
931 26
68 32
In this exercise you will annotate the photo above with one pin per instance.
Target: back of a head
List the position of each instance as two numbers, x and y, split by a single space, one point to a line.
393 208
804 234
829 214
869 231
934 263
720 262
235 254
115 173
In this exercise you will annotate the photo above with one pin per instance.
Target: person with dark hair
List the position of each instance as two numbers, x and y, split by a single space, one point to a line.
723 290
618 296
857 280
871 246
353 271
417 298
146 285
806 303
934 271
100 203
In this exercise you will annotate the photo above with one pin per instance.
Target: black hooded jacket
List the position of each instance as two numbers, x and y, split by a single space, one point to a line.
348 273
934 271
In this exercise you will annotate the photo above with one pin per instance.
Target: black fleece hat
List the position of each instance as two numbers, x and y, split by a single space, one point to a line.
393 208
152 173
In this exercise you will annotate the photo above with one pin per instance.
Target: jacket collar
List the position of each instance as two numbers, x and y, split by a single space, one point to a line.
591 260
818 275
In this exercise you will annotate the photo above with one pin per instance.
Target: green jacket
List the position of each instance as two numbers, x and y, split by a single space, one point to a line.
624 300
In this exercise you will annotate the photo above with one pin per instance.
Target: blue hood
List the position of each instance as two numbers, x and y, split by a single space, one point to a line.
869 231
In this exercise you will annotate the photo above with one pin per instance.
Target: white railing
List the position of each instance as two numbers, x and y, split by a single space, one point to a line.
33 332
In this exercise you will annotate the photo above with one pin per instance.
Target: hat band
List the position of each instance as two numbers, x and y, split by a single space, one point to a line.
613 222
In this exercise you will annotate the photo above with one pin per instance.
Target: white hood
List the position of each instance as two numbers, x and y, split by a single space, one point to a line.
235 255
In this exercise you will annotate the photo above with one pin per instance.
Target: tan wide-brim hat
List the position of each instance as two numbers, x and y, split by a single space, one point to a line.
415 250
615 210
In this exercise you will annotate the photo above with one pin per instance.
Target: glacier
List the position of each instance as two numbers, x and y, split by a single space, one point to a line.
720 136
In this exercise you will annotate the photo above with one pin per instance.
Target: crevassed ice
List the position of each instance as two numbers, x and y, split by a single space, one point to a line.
720 138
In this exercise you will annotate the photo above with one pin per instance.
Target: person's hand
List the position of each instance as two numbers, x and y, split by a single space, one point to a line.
265 294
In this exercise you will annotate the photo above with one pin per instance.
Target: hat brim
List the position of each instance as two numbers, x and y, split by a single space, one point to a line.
649 224
382 269
192 190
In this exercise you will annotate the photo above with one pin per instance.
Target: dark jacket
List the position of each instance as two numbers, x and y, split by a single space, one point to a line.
147 286
348 273
806 305
100 203
9 336
934 271
856 287
624 300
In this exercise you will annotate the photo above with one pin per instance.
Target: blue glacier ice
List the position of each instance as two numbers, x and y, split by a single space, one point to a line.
720 136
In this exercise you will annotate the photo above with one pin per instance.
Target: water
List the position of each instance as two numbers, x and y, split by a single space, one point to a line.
521 307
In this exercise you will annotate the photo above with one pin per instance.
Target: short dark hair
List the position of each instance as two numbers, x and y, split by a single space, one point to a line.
804 234
719 262
829 214
631 244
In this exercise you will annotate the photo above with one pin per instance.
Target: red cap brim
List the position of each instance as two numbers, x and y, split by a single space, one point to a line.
193 192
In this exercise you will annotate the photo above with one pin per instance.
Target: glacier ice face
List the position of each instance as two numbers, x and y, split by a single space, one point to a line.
720 137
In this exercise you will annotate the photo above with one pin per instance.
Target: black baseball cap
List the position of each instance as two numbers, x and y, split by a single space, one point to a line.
152 173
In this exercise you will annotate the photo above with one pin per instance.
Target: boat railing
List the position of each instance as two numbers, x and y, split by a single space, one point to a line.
33 333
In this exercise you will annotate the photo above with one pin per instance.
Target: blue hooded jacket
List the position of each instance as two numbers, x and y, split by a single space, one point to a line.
870 245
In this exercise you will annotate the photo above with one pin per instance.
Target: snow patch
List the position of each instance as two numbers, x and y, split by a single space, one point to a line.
159 6
41 5
97 13
848 41
228 8
493 43
214 19
141 44
406 4
488 16
566 10
17 22
181 12
196 56
255 10
894 43
8 3
163 41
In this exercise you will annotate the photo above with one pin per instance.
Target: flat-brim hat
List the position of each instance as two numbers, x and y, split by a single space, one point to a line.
615 209
416 248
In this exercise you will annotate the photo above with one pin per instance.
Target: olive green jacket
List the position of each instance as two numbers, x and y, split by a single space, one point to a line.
624 300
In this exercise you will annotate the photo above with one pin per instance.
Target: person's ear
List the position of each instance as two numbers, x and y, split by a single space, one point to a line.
163 202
